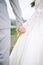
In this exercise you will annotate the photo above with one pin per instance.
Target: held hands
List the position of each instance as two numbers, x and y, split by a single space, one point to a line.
20 30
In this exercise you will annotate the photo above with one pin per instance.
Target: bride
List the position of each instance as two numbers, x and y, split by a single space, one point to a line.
29 47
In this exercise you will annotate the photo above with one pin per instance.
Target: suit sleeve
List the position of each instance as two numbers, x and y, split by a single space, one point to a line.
17 11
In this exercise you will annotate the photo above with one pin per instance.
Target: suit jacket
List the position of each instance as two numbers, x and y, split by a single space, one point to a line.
4 17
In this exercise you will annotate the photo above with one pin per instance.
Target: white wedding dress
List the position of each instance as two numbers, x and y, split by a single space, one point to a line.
29 47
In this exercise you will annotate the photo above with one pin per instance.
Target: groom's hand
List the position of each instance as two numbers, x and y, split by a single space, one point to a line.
20 30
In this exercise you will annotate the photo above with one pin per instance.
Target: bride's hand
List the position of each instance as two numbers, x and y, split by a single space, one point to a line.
20 30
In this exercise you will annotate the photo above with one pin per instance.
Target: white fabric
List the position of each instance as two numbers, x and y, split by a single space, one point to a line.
37 3
29 47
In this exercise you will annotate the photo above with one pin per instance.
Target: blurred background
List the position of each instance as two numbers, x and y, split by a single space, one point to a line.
27 11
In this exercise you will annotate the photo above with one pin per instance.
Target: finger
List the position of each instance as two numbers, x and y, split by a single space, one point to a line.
22 30
20 33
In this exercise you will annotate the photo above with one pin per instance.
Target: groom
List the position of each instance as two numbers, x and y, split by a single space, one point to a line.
5 28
